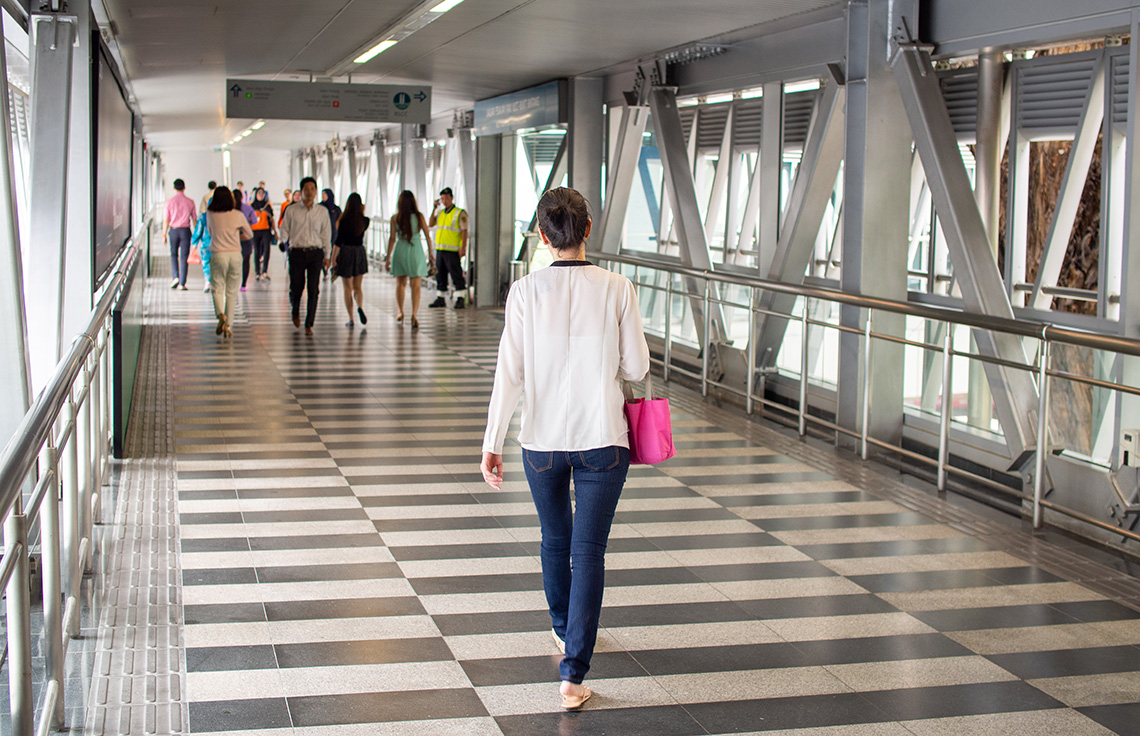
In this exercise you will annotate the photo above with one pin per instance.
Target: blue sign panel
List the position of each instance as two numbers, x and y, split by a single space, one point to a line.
528 108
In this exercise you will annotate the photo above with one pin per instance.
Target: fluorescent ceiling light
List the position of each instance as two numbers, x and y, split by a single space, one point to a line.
445 6
374 51
258 125
804 86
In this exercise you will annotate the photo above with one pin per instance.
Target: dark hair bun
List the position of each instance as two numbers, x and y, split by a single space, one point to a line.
563 215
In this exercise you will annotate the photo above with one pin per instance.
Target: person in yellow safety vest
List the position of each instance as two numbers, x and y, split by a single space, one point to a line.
450 247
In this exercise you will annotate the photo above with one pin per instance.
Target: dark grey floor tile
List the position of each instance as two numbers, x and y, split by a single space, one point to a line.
204 474
893 548
460 584
223 613
715 541
386 651
436 524
406 705
239 715
412 479
466 624
1097 611
880 649
777 714
671 515
220 576
740 479
218 495
794 499
998 617
215 517
762 571
224 544
343 571
215 659
460 551
315 541
1121 718
300 492
670 614
284 517
792 523
1069 662
285 472
423 499
523 670
744 458
930 580
659 720
960 700
692 660
831 605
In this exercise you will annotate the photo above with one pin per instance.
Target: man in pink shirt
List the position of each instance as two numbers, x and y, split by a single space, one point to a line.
180 216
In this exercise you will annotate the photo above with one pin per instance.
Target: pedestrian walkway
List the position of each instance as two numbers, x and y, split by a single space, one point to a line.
344 571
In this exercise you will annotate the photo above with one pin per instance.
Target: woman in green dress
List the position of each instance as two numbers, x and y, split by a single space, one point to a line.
405 253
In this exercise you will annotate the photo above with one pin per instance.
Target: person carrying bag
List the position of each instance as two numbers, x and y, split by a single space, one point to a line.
650 426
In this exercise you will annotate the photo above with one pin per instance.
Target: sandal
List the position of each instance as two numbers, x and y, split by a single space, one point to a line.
415 324
573 702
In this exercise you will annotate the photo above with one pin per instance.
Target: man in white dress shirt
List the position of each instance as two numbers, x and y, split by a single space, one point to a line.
309 233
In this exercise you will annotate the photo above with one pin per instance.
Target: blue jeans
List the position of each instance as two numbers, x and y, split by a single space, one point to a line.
575 538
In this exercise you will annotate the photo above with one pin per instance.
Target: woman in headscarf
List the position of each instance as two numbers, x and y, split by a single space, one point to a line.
329 201
263 230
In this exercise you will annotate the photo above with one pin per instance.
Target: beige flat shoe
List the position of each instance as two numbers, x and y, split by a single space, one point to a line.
573 702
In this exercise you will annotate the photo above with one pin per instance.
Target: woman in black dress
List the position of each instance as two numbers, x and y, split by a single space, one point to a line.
349 257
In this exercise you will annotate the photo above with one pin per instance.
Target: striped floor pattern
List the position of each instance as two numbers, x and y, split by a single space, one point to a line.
346 572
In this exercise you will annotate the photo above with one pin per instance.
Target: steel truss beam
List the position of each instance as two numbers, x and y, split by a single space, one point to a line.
678 174
622 168
557 171
807 204
1072 186
975 268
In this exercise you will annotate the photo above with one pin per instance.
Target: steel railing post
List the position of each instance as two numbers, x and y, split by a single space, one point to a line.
668 356
52 591
706 339
72 570
1042 431
865 430
947 406
804 367
19 624
751 383
83 446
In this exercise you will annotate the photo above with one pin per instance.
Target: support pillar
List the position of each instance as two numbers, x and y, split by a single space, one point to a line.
586 136
876 180
488 273
52 41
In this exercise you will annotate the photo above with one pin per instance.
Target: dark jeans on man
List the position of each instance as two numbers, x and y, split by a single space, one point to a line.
261 242
448 261
305 265
179 252
246 252
574 541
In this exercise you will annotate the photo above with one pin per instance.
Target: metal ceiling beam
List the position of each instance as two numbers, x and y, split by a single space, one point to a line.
1072 187
718 193
807 203
694 248
622 169
975 268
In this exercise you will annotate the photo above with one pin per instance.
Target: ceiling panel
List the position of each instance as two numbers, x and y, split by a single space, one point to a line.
178 55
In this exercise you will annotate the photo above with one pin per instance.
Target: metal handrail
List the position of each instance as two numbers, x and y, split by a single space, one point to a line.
1024 328
1045 333
70 462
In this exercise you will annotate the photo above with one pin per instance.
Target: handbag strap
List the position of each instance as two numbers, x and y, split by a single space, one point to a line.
627 388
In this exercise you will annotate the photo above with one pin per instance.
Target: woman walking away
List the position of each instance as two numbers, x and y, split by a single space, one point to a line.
573 333
263 231
247 244
348 255
228 228
405 254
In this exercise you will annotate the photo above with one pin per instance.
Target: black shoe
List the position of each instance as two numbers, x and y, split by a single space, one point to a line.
439 302
459 302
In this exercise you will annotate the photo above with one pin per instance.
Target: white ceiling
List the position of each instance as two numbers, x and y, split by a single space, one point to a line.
178 54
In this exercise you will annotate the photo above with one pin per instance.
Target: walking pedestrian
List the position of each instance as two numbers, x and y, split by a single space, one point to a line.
201 238
329 202
206 198
405 258
246 245
349 259
572 333
228 227
307 230
263 231
179 216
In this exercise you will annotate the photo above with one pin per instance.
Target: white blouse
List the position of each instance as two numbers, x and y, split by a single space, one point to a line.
572 334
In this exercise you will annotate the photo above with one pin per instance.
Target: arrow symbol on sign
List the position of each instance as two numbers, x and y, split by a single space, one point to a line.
420 96
235 90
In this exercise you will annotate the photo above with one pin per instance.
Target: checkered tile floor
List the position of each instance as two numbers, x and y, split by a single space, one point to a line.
345 571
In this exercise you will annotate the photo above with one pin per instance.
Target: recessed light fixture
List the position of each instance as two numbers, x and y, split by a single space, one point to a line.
445 6
374 51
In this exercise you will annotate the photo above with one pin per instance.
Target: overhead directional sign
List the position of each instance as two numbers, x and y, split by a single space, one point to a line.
528 108
362 103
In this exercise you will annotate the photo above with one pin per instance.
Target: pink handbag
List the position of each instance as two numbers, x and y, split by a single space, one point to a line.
650 428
